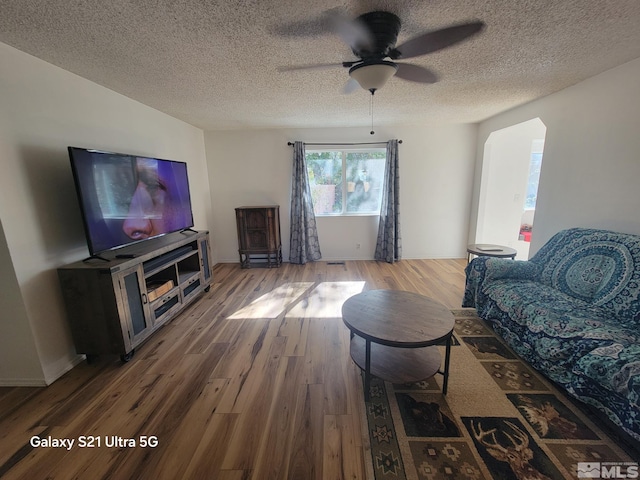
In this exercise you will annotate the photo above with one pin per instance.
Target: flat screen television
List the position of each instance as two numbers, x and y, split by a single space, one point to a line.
129 198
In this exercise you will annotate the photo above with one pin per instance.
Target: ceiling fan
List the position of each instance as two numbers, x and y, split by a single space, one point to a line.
372 38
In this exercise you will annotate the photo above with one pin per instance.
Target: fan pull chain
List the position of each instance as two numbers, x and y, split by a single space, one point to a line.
371 112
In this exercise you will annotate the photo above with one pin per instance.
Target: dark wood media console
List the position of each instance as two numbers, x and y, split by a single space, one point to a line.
115 305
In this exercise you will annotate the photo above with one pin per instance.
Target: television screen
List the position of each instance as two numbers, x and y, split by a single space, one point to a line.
128 198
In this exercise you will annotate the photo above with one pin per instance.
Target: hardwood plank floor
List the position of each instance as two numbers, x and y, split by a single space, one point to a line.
253 381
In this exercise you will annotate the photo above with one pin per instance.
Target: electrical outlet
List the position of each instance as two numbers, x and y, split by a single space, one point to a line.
357 246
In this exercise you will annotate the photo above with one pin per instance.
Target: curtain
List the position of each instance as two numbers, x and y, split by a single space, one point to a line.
304 245
389 243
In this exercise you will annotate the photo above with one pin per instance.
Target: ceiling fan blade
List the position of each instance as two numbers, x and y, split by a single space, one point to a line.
317 66
353 32
436 40
351 86
415 73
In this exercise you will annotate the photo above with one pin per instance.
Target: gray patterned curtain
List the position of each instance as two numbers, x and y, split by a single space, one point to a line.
304 246
389 243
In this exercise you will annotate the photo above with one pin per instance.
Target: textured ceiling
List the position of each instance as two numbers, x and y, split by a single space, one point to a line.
214 64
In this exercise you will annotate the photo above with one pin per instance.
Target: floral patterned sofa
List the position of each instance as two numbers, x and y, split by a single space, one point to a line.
573 312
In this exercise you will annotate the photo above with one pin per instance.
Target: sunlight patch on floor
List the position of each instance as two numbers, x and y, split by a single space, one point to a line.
325 301
274 303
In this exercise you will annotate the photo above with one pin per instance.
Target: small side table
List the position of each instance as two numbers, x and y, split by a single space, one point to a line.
490 250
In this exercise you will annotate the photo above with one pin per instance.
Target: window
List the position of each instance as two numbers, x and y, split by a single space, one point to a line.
533 181
346 182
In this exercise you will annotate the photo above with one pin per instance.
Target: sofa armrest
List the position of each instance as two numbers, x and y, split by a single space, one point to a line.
486 269
475 273
500 268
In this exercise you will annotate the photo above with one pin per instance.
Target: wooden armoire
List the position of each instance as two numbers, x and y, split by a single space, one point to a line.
259 241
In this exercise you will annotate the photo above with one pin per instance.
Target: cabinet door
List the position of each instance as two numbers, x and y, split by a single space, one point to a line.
273 228
203 246
135 307
257 229
256 218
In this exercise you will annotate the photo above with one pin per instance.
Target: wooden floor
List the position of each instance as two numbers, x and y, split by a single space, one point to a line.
253 381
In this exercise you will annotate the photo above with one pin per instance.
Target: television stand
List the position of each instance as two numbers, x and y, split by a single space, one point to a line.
115 305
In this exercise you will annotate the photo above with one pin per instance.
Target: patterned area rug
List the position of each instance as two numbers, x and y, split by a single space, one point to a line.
499 420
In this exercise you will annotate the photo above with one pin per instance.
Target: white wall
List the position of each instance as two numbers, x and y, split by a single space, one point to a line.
253 167
591 165
19 360
45 109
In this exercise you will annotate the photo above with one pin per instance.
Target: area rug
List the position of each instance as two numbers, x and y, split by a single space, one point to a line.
500 420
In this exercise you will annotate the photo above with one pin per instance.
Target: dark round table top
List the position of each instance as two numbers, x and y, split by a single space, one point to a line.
397 318
490 250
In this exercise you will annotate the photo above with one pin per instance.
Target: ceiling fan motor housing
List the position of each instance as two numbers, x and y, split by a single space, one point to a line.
384 26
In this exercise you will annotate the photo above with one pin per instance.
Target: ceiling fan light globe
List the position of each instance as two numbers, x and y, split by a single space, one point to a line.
373 76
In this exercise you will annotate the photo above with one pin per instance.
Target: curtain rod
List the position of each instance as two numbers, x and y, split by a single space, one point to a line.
361 143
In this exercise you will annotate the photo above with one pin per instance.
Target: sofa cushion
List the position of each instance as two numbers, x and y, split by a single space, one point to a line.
551 330
596 266
587 273
543 309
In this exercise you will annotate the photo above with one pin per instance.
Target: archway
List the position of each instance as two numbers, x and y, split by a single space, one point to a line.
510 172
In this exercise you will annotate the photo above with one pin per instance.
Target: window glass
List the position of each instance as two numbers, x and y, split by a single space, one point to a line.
346 181
325 179
533 180
365 176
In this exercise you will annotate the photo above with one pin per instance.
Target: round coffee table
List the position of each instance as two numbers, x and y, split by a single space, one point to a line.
490 250
394 335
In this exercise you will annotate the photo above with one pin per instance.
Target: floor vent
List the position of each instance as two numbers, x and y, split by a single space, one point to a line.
335 263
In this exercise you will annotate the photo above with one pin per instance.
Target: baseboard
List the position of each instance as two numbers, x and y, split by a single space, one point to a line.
437 257
23 382
51 376
339 259
53 373
62 367
332 259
